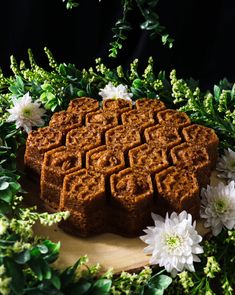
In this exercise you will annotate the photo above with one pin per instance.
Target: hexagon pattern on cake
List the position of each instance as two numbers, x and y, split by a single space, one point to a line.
112 166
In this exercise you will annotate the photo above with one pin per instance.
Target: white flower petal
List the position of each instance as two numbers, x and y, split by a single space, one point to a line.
110 91
173 243
26 113
218 207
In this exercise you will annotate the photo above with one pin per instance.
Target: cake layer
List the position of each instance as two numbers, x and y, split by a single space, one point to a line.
65 121
173 118
153 104
119 105
39 142
83 105
149 157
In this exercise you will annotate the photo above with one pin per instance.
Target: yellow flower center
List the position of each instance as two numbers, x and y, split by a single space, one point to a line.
173 241
27 112
221 206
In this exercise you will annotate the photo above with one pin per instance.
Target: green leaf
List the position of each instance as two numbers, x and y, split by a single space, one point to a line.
17 277
82 287
42 248
68 274
4 185
217 92
22 257
160 281
56 282
36 268
4 208
101 287
15 187
6 195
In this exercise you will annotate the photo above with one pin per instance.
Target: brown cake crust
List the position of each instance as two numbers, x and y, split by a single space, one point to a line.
83 191
173 118
204 136
105 160
195 158
65 121
122 137
57 163
139 119
130 188
131 201
84 138
178 190
119 105
152 104
83 105
162 136
103 120
149 157
39 142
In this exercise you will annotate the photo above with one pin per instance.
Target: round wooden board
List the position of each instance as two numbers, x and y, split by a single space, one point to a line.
110 250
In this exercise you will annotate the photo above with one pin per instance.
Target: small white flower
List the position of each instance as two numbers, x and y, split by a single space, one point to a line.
26 113
173 242
226 164
110 91
218 206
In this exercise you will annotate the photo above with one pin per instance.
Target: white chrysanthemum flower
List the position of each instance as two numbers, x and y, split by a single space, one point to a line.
26 113
110 91
173 242
218 207
226 165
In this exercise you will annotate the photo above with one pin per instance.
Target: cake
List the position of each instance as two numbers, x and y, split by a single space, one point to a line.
131 201
39 142
204 136
110 167
83 105
178 190
118 106
57 163
173 118
123 137
65 121
162 136
104 120
105 160
148 157
138 119
155 105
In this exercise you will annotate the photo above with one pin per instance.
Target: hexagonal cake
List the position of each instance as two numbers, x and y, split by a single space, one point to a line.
111 167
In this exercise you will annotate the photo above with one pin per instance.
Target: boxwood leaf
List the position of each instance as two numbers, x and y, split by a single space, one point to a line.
22 257
56 282
82 287
3 185
6 195
101 287
17 277
160 281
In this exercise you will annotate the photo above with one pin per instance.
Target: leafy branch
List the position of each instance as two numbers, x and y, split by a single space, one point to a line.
151 23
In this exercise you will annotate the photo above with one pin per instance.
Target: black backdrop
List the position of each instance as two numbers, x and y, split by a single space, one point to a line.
203 31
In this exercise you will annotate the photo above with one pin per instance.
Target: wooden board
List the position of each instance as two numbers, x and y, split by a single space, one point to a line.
109 250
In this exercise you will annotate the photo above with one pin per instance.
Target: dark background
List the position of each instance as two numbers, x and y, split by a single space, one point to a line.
204 45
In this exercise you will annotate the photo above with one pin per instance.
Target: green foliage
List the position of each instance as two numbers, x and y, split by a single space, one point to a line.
214 275
26 260
123 25
215 110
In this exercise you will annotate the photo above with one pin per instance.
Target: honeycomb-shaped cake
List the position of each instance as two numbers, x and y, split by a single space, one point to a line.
114 165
